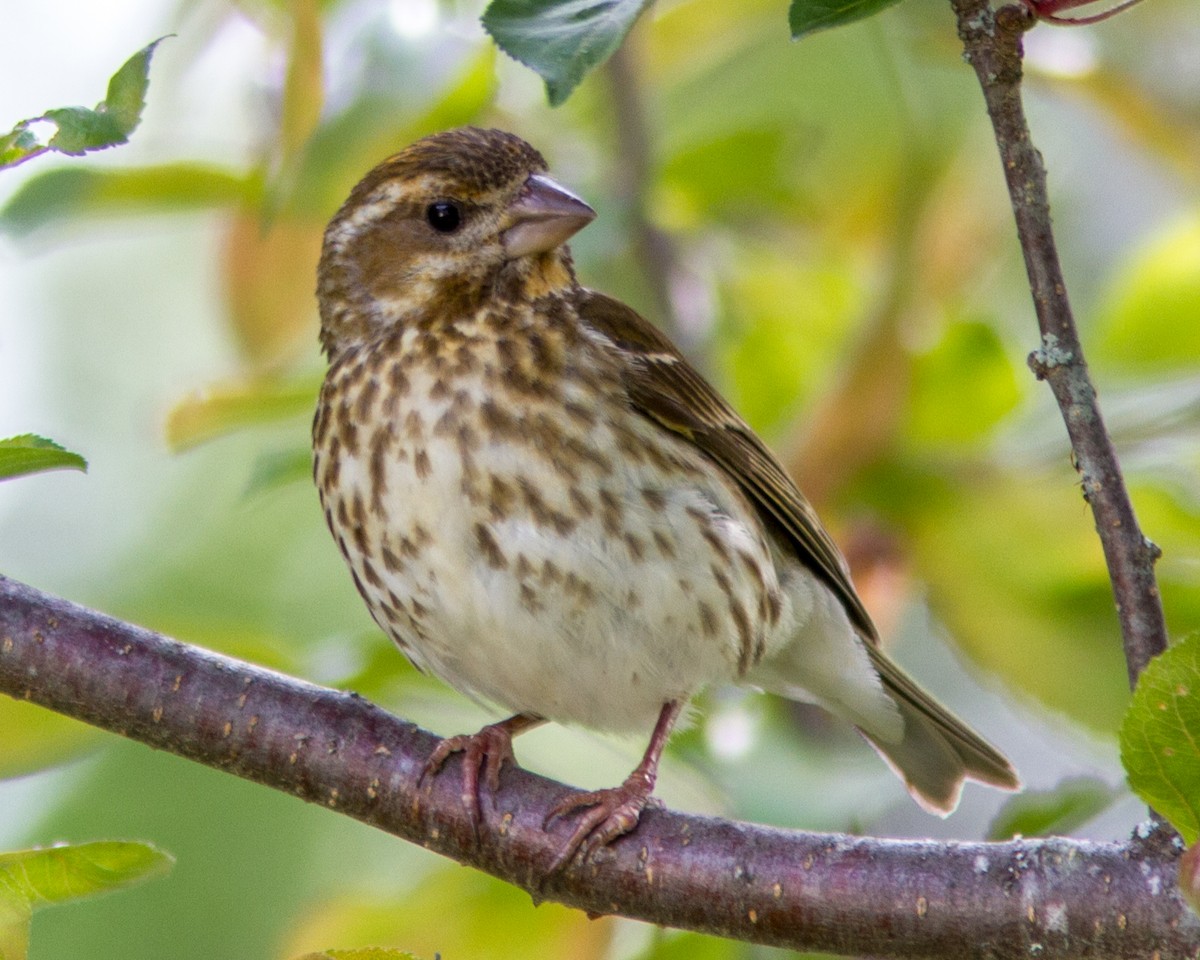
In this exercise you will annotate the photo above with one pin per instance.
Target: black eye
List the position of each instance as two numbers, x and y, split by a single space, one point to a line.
443 216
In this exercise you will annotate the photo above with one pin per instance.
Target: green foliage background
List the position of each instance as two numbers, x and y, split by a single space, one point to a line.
843 265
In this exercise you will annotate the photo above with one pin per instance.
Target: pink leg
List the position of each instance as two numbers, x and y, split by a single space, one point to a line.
615 810
488 749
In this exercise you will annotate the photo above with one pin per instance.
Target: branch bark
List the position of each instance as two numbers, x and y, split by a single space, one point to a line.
992 45
1055 898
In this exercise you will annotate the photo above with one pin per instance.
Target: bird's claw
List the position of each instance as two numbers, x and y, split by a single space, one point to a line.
614 812
488 750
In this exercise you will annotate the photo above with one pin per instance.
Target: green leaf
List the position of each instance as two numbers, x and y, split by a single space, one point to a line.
1160 737
278 469
809 16
1040 813
80 129
32 879
561 39
29 453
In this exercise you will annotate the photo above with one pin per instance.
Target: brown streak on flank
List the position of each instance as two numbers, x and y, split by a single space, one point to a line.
333 469
580 501
366 399
708 618
655 499
371 575
497 420
407 547
390 560
343 515
414 426
347 431
380 442
422 535
610 512
664 544
745 635
774 606
446 424
421 464
440 390
502 497
529 599
550 572
637 546
523 568
490 548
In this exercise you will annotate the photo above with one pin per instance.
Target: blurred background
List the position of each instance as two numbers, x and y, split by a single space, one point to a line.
821 225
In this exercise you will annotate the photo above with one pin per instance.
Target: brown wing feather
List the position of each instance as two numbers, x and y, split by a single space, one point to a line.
666 388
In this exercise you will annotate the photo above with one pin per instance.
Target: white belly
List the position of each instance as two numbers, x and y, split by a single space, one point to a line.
587 592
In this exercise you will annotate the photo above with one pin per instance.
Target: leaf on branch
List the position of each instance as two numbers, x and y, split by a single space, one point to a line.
30 453
32 879
1042 813
1160 736
79 129
561 39
809 16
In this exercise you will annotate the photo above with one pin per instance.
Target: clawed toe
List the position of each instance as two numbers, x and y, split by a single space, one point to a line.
614 812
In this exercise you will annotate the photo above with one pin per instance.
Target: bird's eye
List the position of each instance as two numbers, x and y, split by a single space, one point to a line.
444 216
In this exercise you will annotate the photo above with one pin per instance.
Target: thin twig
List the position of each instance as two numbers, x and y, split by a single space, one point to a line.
1056 898
992 42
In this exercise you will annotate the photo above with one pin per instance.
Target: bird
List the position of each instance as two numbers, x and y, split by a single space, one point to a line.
544 504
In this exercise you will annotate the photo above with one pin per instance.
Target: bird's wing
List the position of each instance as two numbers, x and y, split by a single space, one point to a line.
664 387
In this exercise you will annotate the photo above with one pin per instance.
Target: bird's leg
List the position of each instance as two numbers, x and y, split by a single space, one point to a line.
489 750
615 810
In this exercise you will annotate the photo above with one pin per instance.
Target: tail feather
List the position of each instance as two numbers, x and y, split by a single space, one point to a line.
937 751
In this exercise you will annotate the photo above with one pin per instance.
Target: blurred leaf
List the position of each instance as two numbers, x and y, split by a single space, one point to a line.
303 88
54 875
457 913
1160 736
1016 573
30 453
808 16
36 738
32 879
367 953
16 915
1150 323
1040 813
561 39
70 192
278 469
963 387
227 407
676 945
80 129
269 273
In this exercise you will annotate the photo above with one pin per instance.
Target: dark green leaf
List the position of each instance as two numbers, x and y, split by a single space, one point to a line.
809 16
1040 813
29 453
81 130
1160 737
561 39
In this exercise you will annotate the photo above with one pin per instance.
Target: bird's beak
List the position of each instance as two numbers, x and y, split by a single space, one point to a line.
544 216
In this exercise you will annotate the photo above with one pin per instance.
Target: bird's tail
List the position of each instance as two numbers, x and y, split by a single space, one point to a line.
937 751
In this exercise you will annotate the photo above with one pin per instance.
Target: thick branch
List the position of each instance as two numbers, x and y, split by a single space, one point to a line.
1049 898
993 47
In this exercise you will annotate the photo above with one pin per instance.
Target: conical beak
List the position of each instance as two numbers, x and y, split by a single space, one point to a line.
544 216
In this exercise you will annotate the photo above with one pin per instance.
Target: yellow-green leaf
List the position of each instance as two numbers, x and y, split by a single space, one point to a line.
224 408
30 453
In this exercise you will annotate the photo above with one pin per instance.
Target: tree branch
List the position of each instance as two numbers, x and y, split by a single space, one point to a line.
992 44
1054 898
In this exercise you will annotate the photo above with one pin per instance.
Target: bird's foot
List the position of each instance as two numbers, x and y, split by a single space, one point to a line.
484 752
614 812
